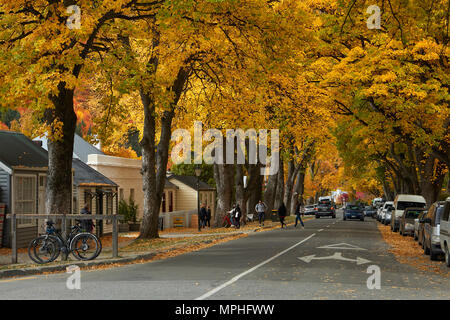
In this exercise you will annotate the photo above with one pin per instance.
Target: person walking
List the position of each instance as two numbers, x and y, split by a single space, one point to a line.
208 217
87 225
203 215
237 216
282 215
261 211
299 211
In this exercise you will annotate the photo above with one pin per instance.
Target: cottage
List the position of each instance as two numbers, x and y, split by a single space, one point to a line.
186 197
23 176
91 187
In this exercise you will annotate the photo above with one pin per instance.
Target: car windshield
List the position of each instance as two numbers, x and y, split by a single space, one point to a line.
413 214
402 205
324 203
389 206
353 207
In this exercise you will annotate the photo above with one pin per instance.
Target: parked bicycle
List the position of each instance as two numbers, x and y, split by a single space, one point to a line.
82 245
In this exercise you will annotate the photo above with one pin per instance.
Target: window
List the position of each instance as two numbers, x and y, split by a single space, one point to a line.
446 213
25 198
170 201
88 199
109 199
413 214
120 194
132 194
402 205
163 203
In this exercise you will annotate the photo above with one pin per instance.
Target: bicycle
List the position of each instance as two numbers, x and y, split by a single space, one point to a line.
47 248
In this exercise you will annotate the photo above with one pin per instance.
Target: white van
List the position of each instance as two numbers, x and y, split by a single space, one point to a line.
445 231
401 202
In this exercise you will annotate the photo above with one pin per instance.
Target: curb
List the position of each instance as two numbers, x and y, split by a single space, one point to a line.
62 267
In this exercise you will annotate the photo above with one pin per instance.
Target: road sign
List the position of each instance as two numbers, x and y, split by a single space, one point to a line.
336 256
342 246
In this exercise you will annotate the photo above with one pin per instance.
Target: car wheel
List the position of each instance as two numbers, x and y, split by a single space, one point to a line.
433 255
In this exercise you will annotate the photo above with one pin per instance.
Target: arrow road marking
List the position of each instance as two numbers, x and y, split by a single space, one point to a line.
342 246
336 256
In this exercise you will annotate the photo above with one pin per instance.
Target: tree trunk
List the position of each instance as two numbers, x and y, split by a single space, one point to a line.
292 174
432 174
60 152
299 189
154 164
253 191
240 190
269 194
223 174
148 170
279 194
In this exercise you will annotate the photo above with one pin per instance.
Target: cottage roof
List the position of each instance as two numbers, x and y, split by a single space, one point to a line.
16 150
87 176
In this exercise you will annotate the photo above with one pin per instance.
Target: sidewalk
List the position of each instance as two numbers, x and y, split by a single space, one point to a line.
172 242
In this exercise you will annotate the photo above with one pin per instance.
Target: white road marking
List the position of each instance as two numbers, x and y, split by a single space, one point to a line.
236 278
336 256
320 230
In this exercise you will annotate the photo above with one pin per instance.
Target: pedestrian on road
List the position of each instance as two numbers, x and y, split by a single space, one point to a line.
282 214
261 211
299 211
237 216
208 217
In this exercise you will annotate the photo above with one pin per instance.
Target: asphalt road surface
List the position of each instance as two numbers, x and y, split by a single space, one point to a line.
328 260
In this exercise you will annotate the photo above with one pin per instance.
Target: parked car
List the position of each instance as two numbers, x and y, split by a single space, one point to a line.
431 242
325 208
310 209
386 206
418 228
407 222
401 202
445 231
353 211
388 215
369 211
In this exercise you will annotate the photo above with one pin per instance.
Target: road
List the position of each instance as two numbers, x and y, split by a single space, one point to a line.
281 264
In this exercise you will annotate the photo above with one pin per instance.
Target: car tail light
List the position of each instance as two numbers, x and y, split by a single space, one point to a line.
332 208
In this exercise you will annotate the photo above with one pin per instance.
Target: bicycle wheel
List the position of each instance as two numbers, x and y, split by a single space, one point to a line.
43 249
85 246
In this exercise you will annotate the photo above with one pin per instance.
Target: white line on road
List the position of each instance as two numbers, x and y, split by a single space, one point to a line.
320 230
236 278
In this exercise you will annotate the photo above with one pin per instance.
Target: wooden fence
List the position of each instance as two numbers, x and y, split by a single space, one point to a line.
115 234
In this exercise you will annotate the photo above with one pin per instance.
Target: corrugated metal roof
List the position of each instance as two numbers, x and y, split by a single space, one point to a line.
16 150
83 148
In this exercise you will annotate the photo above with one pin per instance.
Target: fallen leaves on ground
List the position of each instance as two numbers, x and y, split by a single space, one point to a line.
408 251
